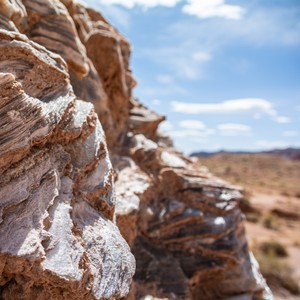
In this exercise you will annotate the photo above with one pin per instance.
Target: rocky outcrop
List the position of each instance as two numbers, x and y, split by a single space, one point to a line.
143 121
57 238
190 242
63 68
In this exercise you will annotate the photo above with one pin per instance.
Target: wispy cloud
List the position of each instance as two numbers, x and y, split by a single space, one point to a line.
187 53
192 131
156 102
156 91
187 133
247 105
185 60
213 8
195 128
262 25
192 124
142 3
266 144
166 126
165 79
201 56
233 129
290 133
251 106
282 120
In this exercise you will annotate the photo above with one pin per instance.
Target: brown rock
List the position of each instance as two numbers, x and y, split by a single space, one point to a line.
191 241
142 120
109 52
58 210
57 238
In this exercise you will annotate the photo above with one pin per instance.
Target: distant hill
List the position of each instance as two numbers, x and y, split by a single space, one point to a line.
292 153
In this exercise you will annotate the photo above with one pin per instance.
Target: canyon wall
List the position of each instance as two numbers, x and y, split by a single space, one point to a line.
86 179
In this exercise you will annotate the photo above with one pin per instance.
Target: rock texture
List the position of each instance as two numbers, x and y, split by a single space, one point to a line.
63 66
190 242
57 238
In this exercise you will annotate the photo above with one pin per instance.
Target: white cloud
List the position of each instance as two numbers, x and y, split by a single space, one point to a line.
199 140
262 26
201 56
253 106
282 120
193 130
290 133
187 53
142 3
192 124
156 102
187 133
213 8
165 79
247 105
180 60
233 129
266 145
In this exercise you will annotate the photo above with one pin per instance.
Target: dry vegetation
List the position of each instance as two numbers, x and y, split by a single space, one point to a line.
262 172
272 209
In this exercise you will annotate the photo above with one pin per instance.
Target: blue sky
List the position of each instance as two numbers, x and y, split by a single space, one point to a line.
225 73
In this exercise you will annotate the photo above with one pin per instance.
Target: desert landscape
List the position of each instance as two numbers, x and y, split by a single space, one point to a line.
272 208
96 202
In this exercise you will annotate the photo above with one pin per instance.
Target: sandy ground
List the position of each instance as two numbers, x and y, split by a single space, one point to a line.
285 230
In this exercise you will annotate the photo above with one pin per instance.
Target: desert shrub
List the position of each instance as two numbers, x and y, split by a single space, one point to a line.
245 205
227 170
237 179
271 221
277 273
297 194
245 201
252 217
274 249
285 193
275 270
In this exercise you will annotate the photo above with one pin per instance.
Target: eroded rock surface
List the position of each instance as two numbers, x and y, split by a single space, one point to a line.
63 68
57 238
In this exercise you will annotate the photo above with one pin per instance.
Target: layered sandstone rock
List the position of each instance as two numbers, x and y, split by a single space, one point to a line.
63 66
57 238
190 242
